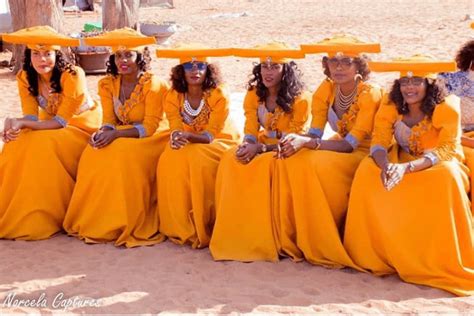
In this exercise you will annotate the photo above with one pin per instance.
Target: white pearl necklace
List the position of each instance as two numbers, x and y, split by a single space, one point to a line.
343 102
189 109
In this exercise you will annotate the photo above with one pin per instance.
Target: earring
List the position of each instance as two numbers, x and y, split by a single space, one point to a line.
358 76
405 107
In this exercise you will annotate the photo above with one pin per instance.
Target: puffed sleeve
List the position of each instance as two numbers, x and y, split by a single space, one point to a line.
301 112
252 126
218 101
105 90
29 104
447 119
368 102
384 125
320 106
155 92
74 94
172 109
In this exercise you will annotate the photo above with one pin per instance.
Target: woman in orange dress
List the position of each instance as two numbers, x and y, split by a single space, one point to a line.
312 185
114 198
409 211
275 105
39 161
197 107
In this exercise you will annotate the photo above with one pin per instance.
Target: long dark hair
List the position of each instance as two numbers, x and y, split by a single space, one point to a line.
61 65
211 81
290 88
435 94
143 61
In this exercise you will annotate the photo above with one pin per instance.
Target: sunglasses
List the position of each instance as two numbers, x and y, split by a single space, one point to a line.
344 62
270 66
190 66
415 81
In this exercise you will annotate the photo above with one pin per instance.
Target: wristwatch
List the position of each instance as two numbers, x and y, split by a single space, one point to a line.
263 148
411 166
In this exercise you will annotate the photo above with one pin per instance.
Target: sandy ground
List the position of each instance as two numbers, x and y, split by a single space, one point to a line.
170 278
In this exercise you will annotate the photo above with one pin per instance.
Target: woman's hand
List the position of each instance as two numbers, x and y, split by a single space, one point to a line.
384 175
291 143
178 139
11 129
102 138
392 174
16 124
7 125
94 135
246 152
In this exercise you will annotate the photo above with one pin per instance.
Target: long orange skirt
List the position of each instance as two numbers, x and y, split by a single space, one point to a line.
244 223
114 198
311 196
37 177
186 191
422 229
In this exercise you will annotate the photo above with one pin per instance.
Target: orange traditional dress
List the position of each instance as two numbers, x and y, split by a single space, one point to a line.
114 198
423 228
244 227
186 177
312 187
38 169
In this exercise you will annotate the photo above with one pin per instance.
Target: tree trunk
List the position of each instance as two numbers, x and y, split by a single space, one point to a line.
27 13
120 13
